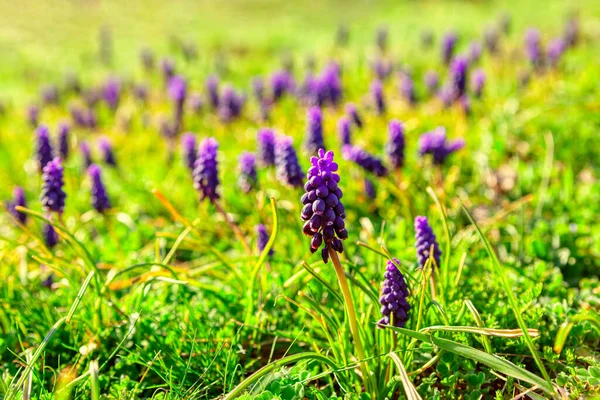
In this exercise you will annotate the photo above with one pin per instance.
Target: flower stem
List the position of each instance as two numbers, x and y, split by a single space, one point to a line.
351 313
236 229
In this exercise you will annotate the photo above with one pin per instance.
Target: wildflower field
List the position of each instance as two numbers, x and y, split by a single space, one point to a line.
284 200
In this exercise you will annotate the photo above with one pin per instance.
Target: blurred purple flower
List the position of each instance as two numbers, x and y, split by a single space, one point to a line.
100 200
395 145
266 146
63 140
314 130
343 126
365 160
424 240
378 100
394 297
206 173
436 144
44 153
286 162
448 45
52 195
248 178
188 149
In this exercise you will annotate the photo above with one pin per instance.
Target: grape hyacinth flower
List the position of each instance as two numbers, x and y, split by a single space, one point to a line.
478 81
343 126
262 239
448 46
52 195
395 144
465 104
432 81
555 50
258 88
167 67
533 46
100 200
87 154
140 92
212 88
206 174
147 59
266 147
107 151
436 144
282 83
50 94
446 95
248 178
377 93
352 113
367 161
230 104
407 89
474 52
112 93
370 190
33 114
50 236
314 130
458 76
382 68
286 162
188 149
394 295
323 211
63 140
177 90
44 148
196 102
18 200
424 241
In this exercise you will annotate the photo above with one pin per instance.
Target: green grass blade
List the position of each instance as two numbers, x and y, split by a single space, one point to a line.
409 388
565 328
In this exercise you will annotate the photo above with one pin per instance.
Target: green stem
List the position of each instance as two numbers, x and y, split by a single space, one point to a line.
351 314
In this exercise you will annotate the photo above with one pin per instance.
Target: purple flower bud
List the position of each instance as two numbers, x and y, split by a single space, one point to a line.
394 297
286 162
424 240
432 81
325 88
262 239
86 153
50 236
446 95
147 58
63 140
206 174
84 118
367 161
465 104
352 113
491 40
33 114
18 200
167 67
196 103
555 50
458 76
52 195
343 126
92 96
188 149
407 89
177 90
533 46
314 130
140 92
100 199
50 94
322 196
448 46
378 100
43 147
248 179
478 82
370 189
168 129
395 144
266 146
282 82
212 88
436 144
230 104
258 88
474 52
107 151
112 93
382 68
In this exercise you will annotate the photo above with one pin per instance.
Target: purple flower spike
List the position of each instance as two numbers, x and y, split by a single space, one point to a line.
230 104
212 88
432 81
282 83
448 46
424 240
63 140
107 151
322 209
100 199
370 189
491 40
258 88
50 236
53 196
266 147
436 144
474 52
140 92
50 94
382 68
188 149
478 81
407 89
167 67
112 93
352 113
196 103
286 162
394 297
248 178
314 130
378 100
395 145
367 161
18 200
177 89
556 48
446 95
206 173
533 46
147 59
262 239
343 126
458 76
44 148
33 114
